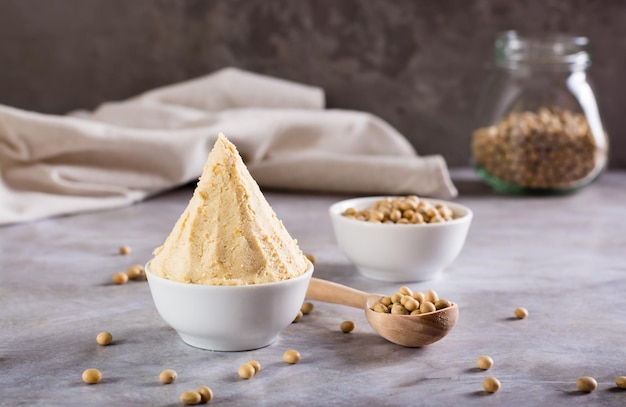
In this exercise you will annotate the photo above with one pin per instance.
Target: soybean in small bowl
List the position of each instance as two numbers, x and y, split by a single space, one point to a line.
396 252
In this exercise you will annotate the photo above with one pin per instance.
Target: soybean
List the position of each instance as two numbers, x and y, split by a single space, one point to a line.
380 307
124 250
291 356
402 210
431 296
411 304
396 298
484 362
621 382
398 309
419 296
407 302
104 338
256 365
136 272
92 376
346 326
206 394
246 371
586 384
521 312
427 307
168 376
306 308
404 290
190 397
544 148
491 385
298 317
442 303
120 278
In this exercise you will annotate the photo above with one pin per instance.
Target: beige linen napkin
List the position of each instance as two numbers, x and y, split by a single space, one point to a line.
126 151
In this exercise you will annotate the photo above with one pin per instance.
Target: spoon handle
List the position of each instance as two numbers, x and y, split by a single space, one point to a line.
327 291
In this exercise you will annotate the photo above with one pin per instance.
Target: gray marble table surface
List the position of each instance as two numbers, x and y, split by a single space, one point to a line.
561 257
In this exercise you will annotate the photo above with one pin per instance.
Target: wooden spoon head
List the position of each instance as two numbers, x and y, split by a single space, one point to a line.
412 330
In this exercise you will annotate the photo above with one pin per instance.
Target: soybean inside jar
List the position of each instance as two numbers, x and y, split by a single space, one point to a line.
539 128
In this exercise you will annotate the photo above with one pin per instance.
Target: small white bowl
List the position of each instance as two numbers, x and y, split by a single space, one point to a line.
229 318
399 252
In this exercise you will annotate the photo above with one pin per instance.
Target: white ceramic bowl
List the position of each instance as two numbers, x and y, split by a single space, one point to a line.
229 318
399 252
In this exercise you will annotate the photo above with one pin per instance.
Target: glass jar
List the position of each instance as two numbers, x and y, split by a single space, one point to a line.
539 128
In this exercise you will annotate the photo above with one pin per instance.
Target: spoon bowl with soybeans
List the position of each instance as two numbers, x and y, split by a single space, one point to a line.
429 321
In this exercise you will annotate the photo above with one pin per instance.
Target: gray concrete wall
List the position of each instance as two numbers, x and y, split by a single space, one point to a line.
418 64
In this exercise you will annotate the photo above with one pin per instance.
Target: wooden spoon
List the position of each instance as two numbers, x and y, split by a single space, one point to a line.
407 330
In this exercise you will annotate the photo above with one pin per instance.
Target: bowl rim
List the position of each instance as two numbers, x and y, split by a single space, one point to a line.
307 274
336 208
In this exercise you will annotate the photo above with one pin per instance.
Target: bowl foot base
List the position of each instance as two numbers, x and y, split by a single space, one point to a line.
382 275
225 345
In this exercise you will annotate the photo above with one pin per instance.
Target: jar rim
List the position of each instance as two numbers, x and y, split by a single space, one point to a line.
571 51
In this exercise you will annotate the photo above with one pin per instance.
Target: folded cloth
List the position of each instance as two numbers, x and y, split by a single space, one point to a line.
126 151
